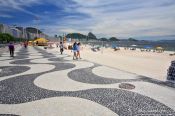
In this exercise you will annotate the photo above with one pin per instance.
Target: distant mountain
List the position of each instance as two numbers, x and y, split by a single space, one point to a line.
76 36
104 39
91 36
113 39
132 39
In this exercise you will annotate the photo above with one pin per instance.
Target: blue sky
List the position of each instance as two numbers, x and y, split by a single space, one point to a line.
141 19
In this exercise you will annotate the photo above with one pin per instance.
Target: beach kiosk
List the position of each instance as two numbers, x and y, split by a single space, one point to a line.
159 49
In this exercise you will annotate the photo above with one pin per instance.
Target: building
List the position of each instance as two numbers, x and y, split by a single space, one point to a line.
16 33
21 32
5 29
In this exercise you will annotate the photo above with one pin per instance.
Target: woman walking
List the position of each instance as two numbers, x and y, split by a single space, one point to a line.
78 50
11 49
74 48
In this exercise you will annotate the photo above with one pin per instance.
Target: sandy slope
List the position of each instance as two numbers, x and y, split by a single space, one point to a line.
148 64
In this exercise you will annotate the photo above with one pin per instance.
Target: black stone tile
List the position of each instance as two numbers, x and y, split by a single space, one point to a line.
125 103
8 115
85 75
21 89
11 70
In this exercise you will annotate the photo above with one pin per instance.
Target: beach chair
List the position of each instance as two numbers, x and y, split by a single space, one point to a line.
93 49
172 54
142 50
132 48
98 48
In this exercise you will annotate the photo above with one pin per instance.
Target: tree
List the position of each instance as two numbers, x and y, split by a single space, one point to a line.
91 36
113 39
1 38
18 39
6 37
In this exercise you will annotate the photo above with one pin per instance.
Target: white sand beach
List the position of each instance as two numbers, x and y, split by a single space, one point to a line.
150 64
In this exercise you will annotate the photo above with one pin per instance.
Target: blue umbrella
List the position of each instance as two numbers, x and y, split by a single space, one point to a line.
148 47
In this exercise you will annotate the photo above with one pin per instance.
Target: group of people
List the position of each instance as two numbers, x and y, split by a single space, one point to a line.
75 49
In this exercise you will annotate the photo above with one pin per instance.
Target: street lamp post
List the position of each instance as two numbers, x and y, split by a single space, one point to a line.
63 38
37 25
36 32
23 33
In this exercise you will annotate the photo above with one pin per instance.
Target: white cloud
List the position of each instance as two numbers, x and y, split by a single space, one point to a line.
126 18
120 18
5 15
18 5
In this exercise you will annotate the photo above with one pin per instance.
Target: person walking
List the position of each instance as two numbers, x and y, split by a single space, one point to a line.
61 47
74 48
78 50
57 45
11 49
25 44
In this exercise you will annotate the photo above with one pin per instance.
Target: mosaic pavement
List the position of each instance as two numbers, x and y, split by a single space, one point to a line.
38 82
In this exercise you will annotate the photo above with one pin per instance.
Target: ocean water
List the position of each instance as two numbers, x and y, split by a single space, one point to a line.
167 45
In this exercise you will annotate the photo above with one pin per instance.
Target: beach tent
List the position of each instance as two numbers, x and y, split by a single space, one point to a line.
41 41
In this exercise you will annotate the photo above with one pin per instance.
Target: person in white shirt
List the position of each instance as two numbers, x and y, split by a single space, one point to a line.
78 50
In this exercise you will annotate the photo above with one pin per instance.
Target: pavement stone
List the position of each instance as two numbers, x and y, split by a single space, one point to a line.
21 95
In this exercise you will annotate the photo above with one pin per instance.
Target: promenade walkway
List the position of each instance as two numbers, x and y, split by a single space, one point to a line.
39 82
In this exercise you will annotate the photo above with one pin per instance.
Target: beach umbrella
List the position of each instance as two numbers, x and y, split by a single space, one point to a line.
41 41
159 48
147 47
